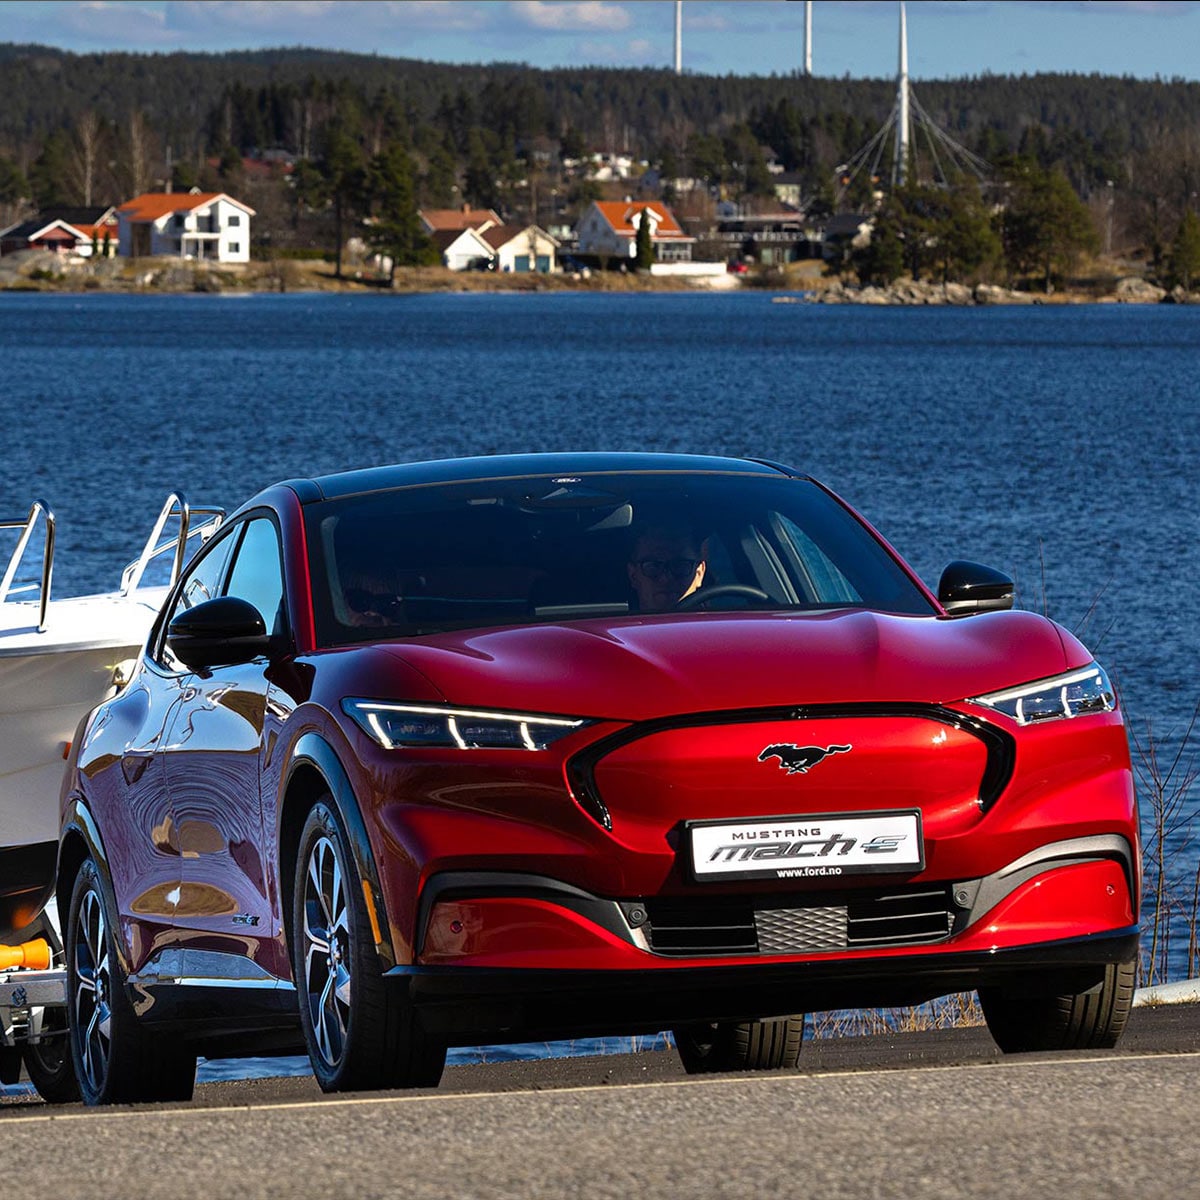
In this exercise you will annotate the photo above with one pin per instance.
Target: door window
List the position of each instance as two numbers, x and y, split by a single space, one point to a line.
257 576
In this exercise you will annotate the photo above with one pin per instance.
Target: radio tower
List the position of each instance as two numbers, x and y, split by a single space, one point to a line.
678 37
907 119
903 116
808 37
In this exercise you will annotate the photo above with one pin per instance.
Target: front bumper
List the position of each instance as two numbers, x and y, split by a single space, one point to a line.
467 1005
508 955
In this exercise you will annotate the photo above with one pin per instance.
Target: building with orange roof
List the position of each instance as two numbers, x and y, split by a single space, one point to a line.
609 228
196 225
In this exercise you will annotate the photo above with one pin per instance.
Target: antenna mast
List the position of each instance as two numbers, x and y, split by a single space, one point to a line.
808 37
678 37
903 116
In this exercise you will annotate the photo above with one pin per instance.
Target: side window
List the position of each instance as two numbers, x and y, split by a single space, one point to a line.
202 582
257 576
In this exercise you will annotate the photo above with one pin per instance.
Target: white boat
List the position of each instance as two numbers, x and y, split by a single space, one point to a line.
58 659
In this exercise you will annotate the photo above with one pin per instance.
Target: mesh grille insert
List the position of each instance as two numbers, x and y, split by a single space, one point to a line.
746 925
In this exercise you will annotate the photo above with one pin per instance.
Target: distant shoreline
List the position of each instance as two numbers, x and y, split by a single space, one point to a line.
46 274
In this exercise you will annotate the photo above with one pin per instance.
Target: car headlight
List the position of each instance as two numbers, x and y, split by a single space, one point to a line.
395 726
1074 694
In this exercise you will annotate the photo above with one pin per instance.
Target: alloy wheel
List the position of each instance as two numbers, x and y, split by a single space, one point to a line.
327 937
91 1000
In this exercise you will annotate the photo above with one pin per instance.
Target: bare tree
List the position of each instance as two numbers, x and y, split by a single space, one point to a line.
85 159
137 158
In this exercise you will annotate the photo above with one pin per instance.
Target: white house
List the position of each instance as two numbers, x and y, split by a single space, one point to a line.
522 248
610 227
200 225
461 249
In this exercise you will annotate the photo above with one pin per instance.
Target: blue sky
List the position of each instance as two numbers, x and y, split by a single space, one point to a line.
947 38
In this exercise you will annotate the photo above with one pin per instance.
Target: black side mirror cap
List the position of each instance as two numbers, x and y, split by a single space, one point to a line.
218 633
967 587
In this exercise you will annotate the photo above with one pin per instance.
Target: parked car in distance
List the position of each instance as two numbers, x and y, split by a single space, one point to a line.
551 746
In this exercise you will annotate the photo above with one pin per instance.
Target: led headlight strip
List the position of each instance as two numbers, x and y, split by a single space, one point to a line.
1075 694
396 726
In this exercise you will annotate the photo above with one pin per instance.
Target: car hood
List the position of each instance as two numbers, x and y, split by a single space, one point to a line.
635 669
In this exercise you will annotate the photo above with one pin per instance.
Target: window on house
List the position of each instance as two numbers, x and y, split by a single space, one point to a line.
234 219
235 248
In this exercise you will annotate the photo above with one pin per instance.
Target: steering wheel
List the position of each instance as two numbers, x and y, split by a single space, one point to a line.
705 594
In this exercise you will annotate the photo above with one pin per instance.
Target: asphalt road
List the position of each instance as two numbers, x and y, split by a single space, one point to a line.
925 1115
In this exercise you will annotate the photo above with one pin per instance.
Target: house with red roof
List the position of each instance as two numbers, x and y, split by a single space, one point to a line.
609 228
64 231
196 225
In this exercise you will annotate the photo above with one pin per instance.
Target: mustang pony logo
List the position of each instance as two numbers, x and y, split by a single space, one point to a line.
794 758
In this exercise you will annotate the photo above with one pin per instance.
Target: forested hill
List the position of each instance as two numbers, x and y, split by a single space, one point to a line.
199 102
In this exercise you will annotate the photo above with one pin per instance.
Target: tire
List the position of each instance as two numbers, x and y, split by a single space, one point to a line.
360 1032
49 1063
768 1045
116 1059
1090 1020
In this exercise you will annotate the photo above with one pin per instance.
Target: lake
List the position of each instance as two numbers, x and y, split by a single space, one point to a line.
1059 443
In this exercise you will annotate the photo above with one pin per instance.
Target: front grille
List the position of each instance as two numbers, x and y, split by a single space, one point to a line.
759 925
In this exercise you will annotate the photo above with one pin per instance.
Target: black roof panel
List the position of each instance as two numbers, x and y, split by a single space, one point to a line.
460 470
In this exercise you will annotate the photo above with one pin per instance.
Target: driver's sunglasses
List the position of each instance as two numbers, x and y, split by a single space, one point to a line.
661 568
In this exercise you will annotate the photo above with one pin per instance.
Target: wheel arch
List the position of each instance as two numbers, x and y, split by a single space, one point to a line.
80 840
314 770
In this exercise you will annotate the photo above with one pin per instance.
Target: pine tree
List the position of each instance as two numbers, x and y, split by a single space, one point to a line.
644 246
1185 255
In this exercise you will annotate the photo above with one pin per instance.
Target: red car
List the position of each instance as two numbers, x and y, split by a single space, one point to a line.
569 745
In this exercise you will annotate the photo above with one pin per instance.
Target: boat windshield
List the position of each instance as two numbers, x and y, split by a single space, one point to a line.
516 551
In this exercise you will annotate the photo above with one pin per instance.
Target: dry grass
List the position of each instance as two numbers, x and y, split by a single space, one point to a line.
948 1012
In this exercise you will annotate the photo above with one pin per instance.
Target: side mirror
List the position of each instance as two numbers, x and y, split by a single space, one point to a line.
221 632
967 587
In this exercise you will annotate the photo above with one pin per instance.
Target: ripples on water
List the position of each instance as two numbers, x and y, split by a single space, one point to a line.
1058 443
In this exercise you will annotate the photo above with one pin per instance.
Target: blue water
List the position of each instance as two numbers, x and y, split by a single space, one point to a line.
1057 443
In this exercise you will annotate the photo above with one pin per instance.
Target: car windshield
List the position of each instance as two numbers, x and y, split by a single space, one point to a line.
517 551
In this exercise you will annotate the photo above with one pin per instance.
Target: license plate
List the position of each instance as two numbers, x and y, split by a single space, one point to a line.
808 847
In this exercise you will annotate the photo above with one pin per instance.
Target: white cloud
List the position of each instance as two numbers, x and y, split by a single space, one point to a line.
572 16
105 23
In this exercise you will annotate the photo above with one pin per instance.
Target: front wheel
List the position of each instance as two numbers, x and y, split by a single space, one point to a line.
117 1060
361 1034
769 1045
1090 1020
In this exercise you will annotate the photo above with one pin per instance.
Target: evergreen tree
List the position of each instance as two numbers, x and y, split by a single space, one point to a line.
50 175
1044 226
395 230
14 187
1185 255
644 245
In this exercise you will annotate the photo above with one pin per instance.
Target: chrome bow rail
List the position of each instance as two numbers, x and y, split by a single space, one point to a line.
157 545
26 526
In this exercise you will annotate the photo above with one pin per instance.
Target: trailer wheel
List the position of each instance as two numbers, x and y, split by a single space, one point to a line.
49 1063
117 1059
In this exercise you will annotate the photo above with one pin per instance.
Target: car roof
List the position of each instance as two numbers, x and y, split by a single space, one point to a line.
505 466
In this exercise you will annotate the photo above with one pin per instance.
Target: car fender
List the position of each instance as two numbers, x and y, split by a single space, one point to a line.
313 751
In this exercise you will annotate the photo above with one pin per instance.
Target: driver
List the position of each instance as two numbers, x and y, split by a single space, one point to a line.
665 565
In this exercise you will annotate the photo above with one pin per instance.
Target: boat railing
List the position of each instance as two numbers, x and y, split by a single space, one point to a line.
26 526
157 545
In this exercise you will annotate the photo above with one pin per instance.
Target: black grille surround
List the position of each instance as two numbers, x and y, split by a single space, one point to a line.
907 915
1000 746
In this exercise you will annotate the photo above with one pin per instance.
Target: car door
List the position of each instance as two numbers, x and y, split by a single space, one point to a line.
213 768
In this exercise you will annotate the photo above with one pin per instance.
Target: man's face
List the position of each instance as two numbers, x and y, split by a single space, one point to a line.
663 568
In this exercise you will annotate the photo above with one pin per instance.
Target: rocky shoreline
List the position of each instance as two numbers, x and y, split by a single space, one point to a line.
1129 290
44 272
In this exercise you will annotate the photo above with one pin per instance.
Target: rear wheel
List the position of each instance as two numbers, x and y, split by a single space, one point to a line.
117 1060
1094 1019
361 1033
49 1063
769 1045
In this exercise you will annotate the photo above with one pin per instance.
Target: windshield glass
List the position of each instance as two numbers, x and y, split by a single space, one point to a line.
517 551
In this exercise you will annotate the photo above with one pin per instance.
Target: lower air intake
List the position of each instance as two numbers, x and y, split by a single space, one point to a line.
850 921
